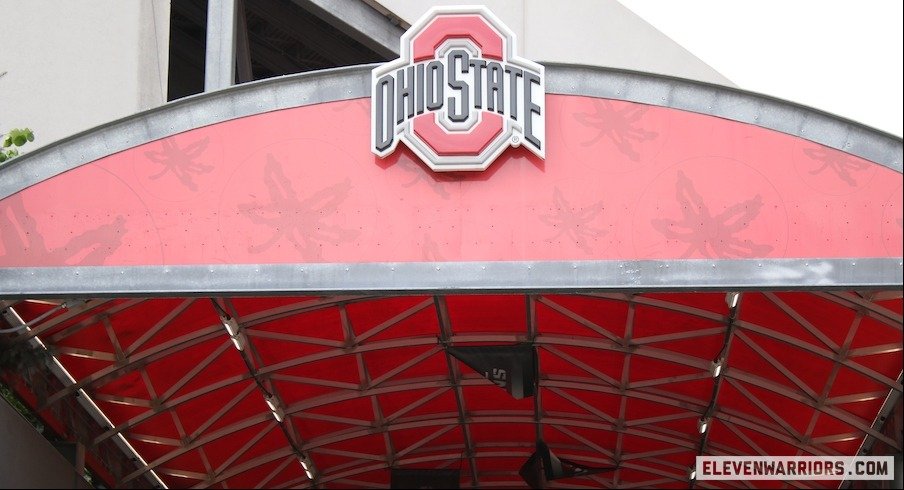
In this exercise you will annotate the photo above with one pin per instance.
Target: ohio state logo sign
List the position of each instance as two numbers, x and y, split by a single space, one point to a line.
459 95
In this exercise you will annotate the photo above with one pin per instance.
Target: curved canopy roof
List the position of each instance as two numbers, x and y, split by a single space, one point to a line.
172 318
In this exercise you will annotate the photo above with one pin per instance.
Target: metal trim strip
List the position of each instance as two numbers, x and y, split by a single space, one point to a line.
354 82
454 277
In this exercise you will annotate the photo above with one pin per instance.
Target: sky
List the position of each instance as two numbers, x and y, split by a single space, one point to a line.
843 57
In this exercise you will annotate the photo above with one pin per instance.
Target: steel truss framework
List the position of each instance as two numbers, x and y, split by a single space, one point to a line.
365 384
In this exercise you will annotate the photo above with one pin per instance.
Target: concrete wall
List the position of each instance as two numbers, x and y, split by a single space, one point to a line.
27 460
589 32
90 62
94 61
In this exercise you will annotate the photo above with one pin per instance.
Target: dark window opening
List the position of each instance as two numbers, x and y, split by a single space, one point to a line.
273 37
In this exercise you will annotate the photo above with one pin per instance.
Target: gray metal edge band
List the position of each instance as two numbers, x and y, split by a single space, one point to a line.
455 277
354 82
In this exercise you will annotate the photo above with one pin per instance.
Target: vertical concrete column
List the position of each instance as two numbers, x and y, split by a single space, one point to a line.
219 64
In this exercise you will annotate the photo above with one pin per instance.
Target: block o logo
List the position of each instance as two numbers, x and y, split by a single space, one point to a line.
459 95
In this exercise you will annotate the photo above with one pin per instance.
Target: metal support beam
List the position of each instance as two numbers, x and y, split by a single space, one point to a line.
84 399
844 352
264 483
360 21
625 379
530 303
242 45
445 328
303 30
894 398
734 309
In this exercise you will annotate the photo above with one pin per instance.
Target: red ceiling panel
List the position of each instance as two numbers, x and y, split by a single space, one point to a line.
597 405
191 407
263 475
398 313
417 402
486 397
403 362
657 320
322 325
872 331
490 313
610 314
331 365
645 368
581 361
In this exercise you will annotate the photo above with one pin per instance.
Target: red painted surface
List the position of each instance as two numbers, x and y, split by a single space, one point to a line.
473 27
620 181
445 143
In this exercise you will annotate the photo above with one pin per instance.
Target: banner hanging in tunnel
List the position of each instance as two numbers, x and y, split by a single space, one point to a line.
511 367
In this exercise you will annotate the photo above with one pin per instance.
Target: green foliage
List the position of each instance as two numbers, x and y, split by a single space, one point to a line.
9 147
20 356
7 394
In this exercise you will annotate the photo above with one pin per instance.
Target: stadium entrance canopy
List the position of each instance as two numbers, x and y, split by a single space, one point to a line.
233 291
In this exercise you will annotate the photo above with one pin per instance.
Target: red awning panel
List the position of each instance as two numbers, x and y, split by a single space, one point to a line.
621 180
